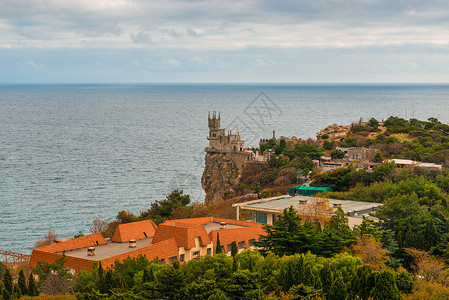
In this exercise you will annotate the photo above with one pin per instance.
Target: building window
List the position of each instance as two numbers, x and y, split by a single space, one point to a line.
259 217
209 251
241 245
162 261
196 253
229 247
181 258
274 218
251 242
172 259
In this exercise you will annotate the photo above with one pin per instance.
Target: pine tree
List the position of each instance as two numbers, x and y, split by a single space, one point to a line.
22 283
32 287
338 290
385 288
218 249
234 249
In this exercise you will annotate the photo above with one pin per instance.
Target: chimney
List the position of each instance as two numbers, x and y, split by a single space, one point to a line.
91 251
222 225
132 244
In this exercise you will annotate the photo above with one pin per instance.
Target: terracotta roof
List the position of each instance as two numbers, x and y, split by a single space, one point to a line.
77 243
204 220
164 249
183 233
134 231
72 262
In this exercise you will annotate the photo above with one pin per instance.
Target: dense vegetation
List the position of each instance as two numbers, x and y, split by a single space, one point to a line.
413 139
297 261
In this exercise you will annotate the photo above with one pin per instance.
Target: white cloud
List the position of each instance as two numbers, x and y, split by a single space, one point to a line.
215 35
141 38
172 62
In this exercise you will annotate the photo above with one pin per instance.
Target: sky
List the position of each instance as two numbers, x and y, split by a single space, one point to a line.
302 41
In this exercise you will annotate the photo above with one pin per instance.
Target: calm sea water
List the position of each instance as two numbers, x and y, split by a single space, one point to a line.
72 153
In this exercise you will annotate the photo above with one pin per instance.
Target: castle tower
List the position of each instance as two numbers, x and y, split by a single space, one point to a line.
214 122
214 130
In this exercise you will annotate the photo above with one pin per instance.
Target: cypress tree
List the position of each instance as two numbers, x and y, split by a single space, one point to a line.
22 283
326 277
7 281
218 249
17 293
100 277
32 287
430 236
360 284
234 249
385 288
146 276
6 294
109 282
338 290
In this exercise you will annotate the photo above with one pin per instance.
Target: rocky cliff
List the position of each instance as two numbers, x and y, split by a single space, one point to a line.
222 173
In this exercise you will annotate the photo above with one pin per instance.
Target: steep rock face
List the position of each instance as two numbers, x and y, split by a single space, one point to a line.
222 173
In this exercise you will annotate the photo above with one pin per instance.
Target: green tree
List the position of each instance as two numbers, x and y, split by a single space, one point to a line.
218 295
302 291
241 283
328 145
336 235
287 236
385 287
170 283
7 281
218 248
234 249
306 165
338 290
360 282
32 286
22 284
378 158
161 210
337 154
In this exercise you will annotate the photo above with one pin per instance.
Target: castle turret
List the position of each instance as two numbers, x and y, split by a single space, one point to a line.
219 140
214 122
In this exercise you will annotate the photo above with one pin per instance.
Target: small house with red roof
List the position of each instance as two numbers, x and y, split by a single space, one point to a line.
173 240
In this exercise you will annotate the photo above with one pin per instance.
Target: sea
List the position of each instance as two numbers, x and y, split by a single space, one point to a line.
73 153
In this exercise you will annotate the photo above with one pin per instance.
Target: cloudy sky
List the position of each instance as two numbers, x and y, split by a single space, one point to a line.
224 41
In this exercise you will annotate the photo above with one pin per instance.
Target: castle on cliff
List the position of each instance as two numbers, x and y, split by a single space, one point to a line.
219 141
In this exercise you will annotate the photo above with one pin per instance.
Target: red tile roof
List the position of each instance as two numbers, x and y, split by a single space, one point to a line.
77 243
164 249
72 262
134 231
183 233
